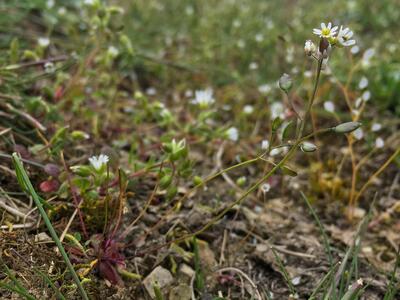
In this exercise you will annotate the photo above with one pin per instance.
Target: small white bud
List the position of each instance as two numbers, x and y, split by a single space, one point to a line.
309 48
379 143
233 134
285 82
308 147
363 83
264 144
329 106
366 95
376 127
358 133
347 127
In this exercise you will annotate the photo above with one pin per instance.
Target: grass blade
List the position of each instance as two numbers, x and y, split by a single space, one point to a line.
284 272
321 229
392 289
197 263
26 184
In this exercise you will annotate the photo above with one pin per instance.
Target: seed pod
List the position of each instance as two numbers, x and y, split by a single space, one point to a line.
197 180
285 82
83 171
324 47
347 127
308 147
241 181
171 192
165 181
52 170
79 135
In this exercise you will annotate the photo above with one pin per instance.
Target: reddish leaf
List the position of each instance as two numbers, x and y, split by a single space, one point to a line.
49 186
58 93
109 272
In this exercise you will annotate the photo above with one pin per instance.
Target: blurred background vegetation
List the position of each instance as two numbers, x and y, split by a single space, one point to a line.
220 43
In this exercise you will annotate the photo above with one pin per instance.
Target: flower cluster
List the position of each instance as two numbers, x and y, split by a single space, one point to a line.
329 36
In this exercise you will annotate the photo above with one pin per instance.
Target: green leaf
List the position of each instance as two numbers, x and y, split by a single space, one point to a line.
286 130
288 171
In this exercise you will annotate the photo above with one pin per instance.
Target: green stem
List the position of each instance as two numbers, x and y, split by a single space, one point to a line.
311 102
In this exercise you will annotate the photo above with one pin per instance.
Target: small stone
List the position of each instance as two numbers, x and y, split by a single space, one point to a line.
356 212
42 238
186 270
262 248
160 276
296 280
180 292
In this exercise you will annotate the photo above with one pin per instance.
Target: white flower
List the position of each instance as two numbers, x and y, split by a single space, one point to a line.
151 91
344 37
275 151
112 51
358 133
98 161
50 3
165 113
366 95
265 188
49 67
203 98
264 144
355 49
329 106
308 74
309 48
359 101
326 31
189 10
253 66
379 143
89 2
363 83
376 127
62 10
188 93
248 109
264 88
43 42
368 54
233 134
259 37
277 110
269 23
237 23
241 44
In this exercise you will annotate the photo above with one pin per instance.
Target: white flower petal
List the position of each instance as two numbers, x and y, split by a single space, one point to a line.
358 134
363 83
379 143
233 134
329 106
376 127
